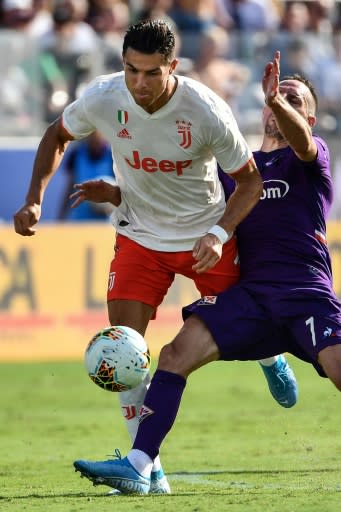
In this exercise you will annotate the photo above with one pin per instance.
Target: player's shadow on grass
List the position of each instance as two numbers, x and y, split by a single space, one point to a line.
54 495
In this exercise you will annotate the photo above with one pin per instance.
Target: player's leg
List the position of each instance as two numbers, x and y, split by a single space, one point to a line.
330 360
137 315
280 377
232 327
192 347
135 290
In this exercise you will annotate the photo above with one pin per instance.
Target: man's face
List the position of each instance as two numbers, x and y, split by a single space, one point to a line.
299 97
147 78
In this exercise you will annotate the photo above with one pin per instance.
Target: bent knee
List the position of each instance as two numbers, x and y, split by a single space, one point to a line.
330 360
192 348
170 359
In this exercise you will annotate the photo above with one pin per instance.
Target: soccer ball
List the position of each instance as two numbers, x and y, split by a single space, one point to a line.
117 358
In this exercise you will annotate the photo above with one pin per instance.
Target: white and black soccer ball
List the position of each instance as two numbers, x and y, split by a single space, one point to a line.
117 358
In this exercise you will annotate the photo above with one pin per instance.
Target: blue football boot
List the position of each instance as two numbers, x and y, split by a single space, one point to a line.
118 473
282 382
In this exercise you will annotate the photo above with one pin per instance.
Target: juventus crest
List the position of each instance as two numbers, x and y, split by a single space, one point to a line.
184 130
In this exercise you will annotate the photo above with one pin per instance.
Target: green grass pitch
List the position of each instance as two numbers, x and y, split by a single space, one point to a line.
232 448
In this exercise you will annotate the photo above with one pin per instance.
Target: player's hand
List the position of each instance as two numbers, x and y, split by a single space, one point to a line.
26 218
97 191
207 252
270 81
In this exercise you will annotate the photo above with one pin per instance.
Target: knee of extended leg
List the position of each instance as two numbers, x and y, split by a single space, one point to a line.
168 357
336 379
330 360
333 372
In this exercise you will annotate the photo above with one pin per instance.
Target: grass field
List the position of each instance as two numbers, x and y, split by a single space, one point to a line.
233 448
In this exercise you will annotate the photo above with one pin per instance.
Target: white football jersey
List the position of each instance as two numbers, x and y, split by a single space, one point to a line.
165 162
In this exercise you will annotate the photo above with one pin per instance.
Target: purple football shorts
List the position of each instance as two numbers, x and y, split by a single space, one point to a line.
254 322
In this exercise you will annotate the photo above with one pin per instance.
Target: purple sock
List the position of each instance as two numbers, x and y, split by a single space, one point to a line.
159 411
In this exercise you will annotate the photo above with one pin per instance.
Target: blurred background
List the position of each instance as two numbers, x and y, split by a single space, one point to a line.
52 286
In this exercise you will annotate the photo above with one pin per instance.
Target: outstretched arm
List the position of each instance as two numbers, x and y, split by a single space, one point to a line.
48 157
293 110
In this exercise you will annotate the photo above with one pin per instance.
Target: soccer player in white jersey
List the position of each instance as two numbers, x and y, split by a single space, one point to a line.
167 134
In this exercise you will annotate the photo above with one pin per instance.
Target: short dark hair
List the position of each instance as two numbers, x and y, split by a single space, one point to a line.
306 82
150 36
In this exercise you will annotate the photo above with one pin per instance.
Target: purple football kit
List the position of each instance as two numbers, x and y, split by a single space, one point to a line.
284 301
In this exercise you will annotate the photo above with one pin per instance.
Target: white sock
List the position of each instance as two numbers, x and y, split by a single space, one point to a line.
268 361
141 462
131 402
156 464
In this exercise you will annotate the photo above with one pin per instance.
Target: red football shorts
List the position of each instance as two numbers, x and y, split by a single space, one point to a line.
145 275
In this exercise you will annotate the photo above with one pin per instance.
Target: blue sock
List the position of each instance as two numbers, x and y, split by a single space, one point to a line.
159 411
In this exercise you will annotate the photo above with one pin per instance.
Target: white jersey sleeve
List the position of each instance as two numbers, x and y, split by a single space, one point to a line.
77 117
228 144
232 152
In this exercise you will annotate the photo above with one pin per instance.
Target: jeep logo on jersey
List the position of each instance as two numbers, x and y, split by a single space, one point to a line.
274 189
184 130
149 164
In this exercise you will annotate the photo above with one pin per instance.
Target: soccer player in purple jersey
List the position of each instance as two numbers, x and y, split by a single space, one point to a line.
284 300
